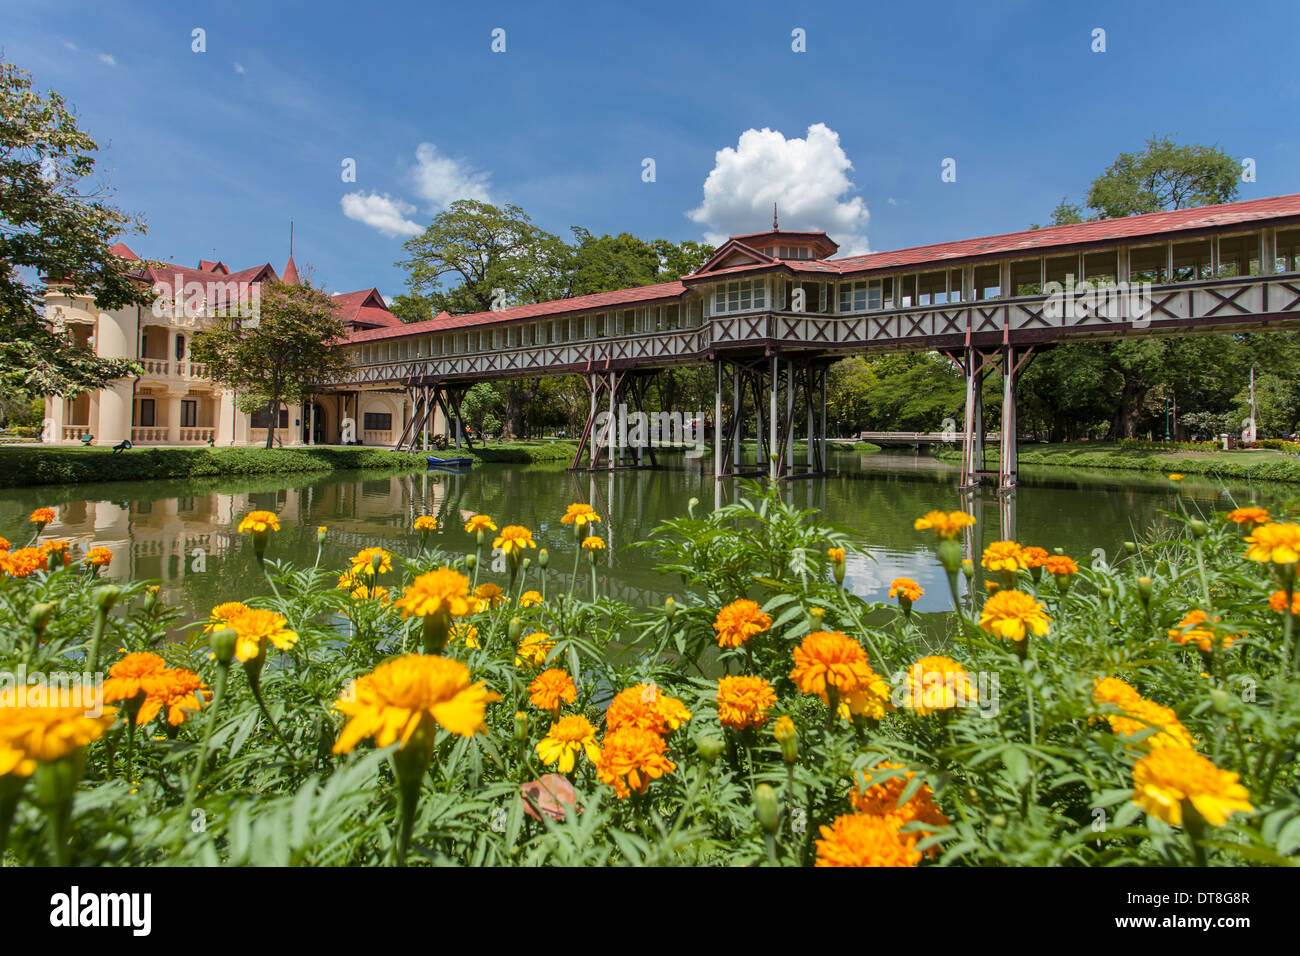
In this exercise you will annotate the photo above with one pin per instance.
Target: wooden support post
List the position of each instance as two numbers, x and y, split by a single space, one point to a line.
771 445
1007 434
718 464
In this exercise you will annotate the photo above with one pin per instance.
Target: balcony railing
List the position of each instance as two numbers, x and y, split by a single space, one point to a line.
74 432
166 369
198 434
142 436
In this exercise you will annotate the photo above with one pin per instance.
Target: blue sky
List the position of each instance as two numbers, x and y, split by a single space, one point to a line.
220 150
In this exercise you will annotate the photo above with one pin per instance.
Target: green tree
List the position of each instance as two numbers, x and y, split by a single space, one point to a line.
1164 176
677 259
279 355
54 222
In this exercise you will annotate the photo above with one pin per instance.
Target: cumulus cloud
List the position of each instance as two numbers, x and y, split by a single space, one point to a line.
380 212
108 58
441 180
807 178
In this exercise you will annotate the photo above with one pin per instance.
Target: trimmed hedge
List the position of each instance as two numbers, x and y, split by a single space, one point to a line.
515 452
1246 465
30 465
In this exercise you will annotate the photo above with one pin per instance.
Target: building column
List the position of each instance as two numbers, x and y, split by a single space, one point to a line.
173 418
52 427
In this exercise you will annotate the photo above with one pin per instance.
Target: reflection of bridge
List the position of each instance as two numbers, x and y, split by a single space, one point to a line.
771 311
919 438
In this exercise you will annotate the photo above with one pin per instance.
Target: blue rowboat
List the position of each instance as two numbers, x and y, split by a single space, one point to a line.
449 462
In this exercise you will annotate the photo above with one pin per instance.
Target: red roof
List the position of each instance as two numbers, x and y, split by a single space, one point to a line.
218 267
291 272
123 251
364 309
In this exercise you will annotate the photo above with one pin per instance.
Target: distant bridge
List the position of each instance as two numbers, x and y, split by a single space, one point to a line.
921 438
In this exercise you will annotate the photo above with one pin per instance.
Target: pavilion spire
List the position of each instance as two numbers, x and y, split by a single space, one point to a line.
775 225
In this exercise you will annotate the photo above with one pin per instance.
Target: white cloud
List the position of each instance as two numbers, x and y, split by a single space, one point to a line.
380 212
239 67
108 58
70 45
441 180
807 178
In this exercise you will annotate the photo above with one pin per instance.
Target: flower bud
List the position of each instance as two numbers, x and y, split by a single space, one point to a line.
1131 547
767 808
105 597
375 561
949 550
816 619
525 564
222 641
968 568
670 608
710 748
471 562
515 629
1220 700
543 558
1197 527
787 737
38 618
521 726
1106 593
320 535
1144 591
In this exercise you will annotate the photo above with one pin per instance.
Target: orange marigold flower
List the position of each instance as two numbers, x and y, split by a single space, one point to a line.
1012 615
1277 601
884 799
1167 781
945 524
568 737
1249 515
479 523
443 591
222 613
631 758
579 514
98 556
370 592
489 595
255 626
533 649
530 599
937 683
593 543
42 516
646 706
176 691
132 676
426 523
864 839
1175 477
1112 690
550 688
743 701
58 547
906 588
463 632
836 555
1275 543
40 724
1033 557
259 522
1002 556
1190 631
4 543
1137 715
514 540
1060 564
24 561
831 659
739 621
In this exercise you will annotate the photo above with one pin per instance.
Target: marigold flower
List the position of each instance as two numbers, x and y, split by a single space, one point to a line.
831 659
739 621
1167 780
259 522
363 562
223 612
646 706
579 514
1060 565
1033 557
24 561
4 543
1002 556
443 591
463 632
370 592
530 599
98 556
593 543
177 691
1175 477
1137 715
1277 601
1190 631
864 839
937 683
409 694
1012 615
1249 515
1276 543
130 676
513 540
743 701
550 688
945 524
871 700
836 555
479 523
40 724
1112 690
533 649
883 799
489 595
905 588
256 625
631 758
568 737
58 547
426 523
42 516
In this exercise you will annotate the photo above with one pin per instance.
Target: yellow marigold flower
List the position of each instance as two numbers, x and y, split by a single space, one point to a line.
255 625
463 632
1033 557
864 839
1002 556
363 562
322 529
222 613
1249 515
99 556
836 555
568 737
24 561
530 599
533 649
1167 780
42 516
479 523
1142 715
426 523
937 683
259 522
4 543
489 595
906 588
883 799
347 581
739 621
1012 615
40 724
1277 601
645 706
1112 690
372 592
579 514
514 539
631 758
831 659
593 543
743 701
58 547
1190 631
945 524
408 694
551 688
443 591
1175 477
1276 543
871 700
1060 564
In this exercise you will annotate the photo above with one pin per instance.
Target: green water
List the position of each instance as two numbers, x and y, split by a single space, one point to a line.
183 532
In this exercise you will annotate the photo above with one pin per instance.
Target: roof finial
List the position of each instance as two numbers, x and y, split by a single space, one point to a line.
290 238
775 226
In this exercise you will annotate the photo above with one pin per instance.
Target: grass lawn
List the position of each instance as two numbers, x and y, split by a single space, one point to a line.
1261 463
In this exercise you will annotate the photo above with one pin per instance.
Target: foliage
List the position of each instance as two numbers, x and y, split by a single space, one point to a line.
1156 457
1164 176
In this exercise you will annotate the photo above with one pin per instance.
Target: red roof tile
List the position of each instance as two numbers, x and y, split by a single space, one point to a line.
123 251
290 272
365 308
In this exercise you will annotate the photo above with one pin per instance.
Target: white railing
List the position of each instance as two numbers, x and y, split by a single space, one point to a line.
141 436
197 434
156 366
74 432
377 437
196 370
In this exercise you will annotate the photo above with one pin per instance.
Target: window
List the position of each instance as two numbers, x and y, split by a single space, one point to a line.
377 421
1239 255
1288 251
886 287
180 347
259 419
1101 268
146 413
1063 270
906 291
853 296
746 296
1027 277
932 288
190 413
988 281
1148 264
1192 260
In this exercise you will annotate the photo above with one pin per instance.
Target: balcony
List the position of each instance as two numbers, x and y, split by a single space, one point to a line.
182 370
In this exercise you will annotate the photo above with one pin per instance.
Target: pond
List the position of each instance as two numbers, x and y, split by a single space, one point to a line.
183 532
